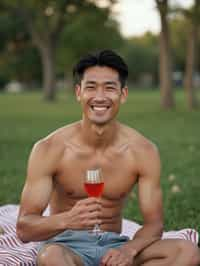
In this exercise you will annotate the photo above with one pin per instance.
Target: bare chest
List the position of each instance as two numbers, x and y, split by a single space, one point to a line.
118 170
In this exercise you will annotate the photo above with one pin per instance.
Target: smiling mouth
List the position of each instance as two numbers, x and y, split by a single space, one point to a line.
99 108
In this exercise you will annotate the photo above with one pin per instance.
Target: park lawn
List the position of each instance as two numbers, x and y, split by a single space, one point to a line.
25 118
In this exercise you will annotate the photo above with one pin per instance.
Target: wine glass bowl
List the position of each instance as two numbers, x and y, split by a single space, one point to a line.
94 184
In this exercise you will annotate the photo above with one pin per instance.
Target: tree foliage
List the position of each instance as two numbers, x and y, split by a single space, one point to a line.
18 58
90 31
141 54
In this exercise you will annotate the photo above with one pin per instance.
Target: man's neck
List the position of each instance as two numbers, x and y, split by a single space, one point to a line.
99 136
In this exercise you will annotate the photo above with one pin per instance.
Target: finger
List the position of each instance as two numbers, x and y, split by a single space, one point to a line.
91 223
91 218
113 260
106 257
110 257
122 261
90 200
106 260
92 215
94 207
87 210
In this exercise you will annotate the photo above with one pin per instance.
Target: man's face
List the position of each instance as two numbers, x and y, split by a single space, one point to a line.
100 94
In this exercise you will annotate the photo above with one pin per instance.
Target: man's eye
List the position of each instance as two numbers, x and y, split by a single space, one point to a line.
110 88
90 87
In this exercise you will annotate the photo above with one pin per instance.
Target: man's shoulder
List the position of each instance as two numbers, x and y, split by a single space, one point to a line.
57 140
137 141
144 152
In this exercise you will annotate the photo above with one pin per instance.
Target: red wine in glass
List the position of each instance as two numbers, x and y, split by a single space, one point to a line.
94 190
94 186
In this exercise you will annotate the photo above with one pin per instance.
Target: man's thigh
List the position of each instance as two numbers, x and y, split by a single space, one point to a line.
166 249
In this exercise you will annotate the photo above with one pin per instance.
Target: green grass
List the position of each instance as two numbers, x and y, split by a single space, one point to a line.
26 118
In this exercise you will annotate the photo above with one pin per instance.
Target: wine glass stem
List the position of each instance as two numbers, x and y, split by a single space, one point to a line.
96 229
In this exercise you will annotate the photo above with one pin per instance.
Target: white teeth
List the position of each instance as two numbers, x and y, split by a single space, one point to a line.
99 108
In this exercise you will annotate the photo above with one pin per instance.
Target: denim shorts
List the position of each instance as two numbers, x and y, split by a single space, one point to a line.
90 247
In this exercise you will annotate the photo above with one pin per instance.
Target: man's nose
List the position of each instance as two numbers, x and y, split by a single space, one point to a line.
100 94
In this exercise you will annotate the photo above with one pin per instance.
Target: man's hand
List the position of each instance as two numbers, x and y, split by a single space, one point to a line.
123 256
84 214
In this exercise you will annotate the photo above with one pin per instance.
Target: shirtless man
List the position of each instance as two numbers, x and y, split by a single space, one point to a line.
56 170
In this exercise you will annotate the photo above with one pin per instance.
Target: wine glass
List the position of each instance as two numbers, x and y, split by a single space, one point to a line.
94 185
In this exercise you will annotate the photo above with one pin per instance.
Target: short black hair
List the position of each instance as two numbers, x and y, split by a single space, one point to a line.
101 58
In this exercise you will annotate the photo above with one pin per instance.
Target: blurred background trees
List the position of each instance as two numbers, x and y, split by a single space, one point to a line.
41 41
192 17
45 21
167 96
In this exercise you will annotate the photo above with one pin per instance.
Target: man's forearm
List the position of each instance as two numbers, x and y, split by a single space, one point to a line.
145 236
39 228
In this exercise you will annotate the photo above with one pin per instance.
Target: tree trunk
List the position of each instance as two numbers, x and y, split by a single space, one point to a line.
190 90
167 97
47 52
46 45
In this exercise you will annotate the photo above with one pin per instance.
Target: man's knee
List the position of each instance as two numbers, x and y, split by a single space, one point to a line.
52 255
190 251
49 255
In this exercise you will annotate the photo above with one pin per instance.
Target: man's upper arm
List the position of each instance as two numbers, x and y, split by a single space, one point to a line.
38 186
149 189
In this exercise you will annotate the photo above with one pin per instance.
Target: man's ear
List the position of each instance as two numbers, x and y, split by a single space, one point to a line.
78 92
124 94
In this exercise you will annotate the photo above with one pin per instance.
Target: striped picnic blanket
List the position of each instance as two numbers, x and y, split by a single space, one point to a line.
13 252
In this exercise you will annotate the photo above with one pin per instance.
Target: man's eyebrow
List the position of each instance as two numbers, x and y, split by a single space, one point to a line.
105 82
90 82
111 83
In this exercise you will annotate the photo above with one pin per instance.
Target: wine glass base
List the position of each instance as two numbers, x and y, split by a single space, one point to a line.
96 230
